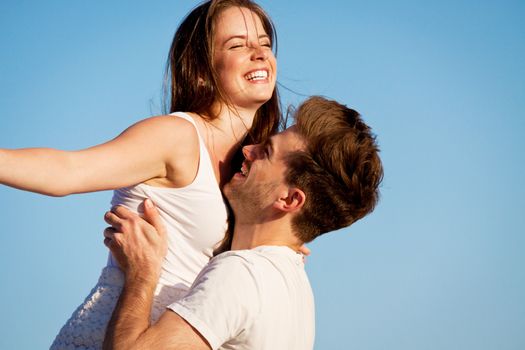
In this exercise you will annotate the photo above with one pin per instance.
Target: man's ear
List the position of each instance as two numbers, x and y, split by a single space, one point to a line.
291 200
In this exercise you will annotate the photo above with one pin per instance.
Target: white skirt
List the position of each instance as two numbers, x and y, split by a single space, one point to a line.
87 325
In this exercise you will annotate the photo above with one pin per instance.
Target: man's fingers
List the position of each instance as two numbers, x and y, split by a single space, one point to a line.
113 240
118 215
108 242
123 213
109 238
130 230
113 220
151 215
109 232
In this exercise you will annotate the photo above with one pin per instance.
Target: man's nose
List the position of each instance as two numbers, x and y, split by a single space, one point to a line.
246 151
250 152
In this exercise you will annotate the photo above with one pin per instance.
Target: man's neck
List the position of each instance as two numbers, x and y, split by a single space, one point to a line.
248 236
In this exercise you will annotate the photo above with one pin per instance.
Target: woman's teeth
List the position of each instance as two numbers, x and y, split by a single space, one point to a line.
257 75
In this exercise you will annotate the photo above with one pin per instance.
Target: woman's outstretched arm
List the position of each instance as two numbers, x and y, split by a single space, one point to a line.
157 147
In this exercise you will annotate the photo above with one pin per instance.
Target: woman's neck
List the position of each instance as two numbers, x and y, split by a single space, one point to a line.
233 121
224 135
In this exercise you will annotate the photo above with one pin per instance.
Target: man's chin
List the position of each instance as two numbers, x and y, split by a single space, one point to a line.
229 191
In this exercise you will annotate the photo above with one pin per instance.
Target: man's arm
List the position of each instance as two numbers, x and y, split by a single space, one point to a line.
140 246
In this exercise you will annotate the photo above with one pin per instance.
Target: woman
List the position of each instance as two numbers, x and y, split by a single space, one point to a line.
223 73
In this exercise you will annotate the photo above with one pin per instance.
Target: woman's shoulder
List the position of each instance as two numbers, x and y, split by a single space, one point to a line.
166 128
178 119
169 134
177 140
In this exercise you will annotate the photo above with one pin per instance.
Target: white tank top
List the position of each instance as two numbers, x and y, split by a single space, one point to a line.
195 217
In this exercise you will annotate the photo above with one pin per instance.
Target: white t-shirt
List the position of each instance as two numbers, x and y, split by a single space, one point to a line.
252 299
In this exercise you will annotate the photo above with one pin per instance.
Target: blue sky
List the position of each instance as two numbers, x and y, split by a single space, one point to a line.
438 265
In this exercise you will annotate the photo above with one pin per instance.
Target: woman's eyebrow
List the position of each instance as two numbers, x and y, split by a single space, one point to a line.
244 37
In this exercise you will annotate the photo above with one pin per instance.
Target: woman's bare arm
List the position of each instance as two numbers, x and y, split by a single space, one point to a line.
157 147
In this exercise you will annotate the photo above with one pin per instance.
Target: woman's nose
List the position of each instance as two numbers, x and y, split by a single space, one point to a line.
259 52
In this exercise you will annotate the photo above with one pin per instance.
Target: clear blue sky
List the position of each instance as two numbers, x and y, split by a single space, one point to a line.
439 264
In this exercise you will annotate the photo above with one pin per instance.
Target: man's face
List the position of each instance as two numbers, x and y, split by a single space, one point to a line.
262 177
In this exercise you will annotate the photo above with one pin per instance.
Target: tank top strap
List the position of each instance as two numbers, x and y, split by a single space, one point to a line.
205 170
187 117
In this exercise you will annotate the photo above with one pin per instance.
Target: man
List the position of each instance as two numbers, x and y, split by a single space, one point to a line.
317 176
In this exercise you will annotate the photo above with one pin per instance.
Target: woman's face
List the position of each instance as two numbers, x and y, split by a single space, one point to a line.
243 58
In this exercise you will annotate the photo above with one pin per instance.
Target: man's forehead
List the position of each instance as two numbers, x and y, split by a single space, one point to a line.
288 140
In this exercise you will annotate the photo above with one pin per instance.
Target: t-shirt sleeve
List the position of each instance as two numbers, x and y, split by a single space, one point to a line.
223 301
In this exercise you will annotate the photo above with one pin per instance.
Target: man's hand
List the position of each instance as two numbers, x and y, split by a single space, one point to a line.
139 245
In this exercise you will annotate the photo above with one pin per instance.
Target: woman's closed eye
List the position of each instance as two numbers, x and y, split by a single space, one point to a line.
266 43
236 45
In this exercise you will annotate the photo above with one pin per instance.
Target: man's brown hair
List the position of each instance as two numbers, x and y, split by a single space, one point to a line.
340 171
